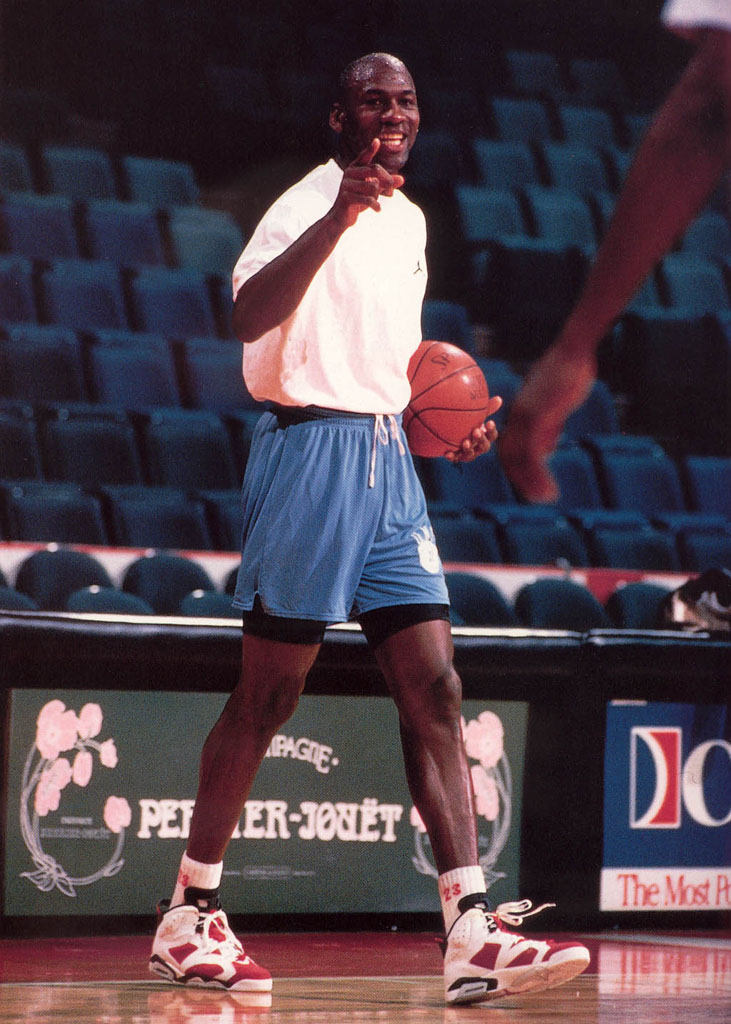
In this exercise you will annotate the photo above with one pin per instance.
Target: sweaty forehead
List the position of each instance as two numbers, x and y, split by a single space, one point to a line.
381 75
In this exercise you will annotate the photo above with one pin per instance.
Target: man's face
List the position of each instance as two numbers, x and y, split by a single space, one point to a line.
380 103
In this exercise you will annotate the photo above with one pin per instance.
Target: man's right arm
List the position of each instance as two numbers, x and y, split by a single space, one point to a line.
272 295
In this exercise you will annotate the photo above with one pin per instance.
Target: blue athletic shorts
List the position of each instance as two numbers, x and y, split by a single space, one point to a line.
335 520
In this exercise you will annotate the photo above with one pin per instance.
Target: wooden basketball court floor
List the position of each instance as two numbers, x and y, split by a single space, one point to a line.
384 977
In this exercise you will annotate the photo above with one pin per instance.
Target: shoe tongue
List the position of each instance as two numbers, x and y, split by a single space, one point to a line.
475 899
204 899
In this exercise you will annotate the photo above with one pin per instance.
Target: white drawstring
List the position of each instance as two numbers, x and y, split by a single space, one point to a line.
515 912
380 435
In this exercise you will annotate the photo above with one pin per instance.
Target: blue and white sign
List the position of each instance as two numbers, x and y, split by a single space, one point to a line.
667 807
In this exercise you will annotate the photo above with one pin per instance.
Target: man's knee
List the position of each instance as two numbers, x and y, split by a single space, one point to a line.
435 698
266 703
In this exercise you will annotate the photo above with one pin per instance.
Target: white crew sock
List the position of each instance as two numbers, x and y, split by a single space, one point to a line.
455 885
194 873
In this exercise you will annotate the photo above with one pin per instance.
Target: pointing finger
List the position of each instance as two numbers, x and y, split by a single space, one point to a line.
366 156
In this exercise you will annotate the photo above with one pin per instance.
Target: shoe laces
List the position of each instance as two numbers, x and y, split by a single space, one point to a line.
514 913
214 929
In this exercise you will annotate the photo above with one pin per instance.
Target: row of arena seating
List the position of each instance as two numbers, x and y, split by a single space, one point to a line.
170 478
50 228
169 584
125 233
83 172
91 295
524 282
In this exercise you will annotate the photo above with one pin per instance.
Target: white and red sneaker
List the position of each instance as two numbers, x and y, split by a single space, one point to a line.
194 945
483 960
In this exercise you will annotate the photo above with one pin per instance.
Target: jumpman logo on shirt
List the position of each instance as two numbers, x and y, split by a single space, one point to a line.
419 268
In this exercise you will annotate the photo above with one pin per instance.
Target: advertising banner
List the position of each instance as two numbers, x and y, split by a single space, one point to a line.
667 808
101 787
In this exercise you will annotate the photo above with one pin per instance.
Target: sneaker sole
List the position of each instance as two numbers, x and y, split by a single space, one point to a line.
515 981
163 970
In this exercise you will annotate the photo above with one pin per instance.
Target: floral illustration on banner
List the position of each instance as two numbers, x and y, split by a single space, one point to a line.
47 773
492 791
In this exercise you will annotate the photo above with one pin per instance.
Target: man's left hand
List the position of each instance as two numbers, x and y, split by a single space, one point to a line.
480 441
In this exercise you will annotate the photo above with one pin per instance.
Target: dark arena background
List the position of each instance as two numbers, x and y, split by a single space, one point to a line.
140 142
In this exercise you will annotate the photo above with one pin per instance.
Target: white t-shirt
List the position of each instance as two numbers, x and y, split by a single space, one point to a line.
687 15
348 344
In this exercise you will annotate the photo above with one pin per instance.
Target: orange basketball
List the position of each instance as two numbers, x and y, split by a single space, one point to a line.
449 398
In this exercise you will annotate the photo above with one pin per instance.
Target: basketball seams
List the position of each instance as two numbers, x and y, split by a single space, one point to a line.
433 430
443 380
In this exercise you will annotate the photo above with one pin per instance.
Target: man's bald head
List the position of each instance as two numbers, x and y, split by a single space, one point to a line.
363 68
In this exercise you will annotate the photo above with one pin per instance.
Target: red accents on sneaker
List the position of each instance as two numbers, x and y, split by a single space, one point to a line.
195 946
485 961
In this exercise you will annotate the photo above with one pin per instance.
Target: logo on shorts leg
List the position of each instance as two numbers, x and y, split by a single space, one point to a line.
428 554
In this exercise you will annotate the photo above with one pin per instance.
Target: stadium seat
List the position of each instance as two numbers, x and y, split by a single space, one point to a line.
84 294
598 80
241 424
90 445
42 363
16 174
704 549
50 576
20 453
12 600
126 233
17 300
646 483
225 518
163 580
534 73
470 484
475 601
160 182
213 377
504 164
155 517
596 415
57 513
668 393
709 236
176 303
708 479
554 603
98 600
694 284
132 370
576 477
527 290
443 320
189 449
39 227
204 239
210 604
78 172
487 214
619 548
575 166
466 539
537 535
223 303
561 216
636 605
620 161
520 119
586 125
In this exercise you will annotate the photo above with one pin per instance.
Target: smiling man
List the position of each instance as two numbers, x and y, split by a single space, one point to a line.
328 296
